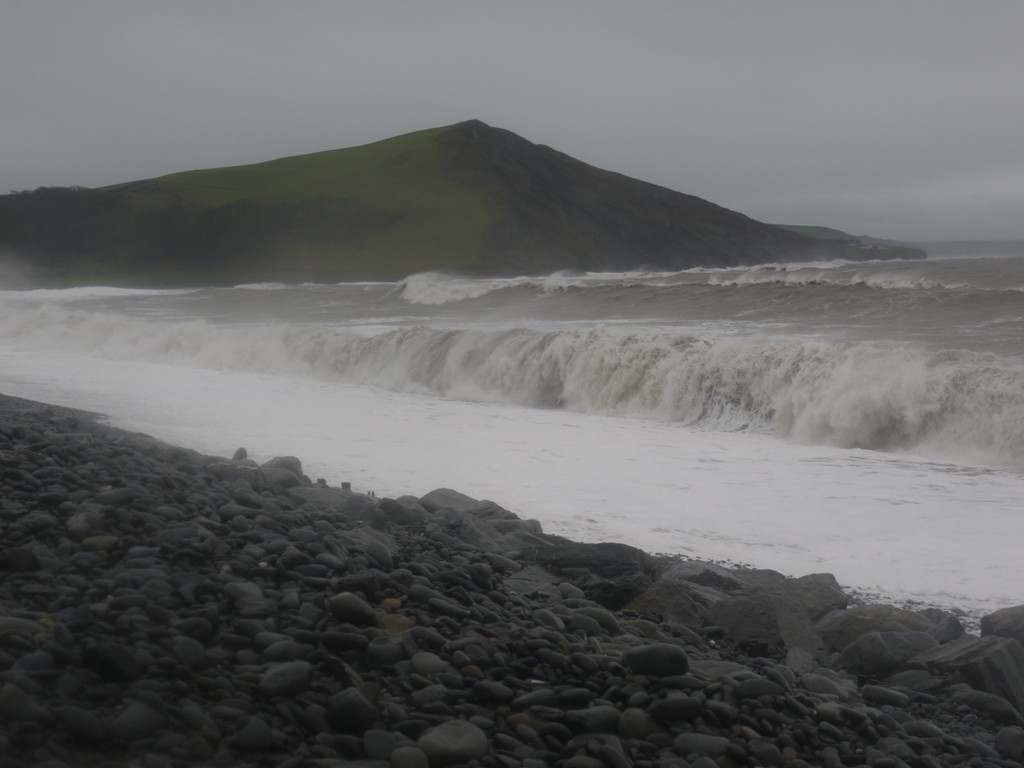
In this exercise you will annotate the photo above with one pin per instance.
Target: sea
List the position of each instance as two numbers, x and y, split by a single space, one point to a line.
864 419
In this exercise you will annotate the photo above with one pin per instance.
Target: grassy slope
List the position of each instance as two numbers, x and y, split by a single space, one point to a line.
465 197
442 222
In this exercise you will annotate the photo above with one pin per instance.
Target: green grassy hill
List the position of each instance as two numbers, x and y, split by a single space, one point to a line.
467 197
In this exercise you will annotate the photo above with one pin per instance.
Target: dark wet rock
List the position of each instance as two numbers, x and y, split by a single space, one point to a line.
401 512
254 736
351 711
676 708
779 616
83 724
426 663
669 601
19 559
705 574
702 745
280 477
600 719
610 574
877 655
112 661
454 742
749 620
996 707
136 722
13 624
378 744
756 687
1006 622
945 627
190 652
446 498
1010 742
289 463
882 696
350 608
16 704
409 757
322 497
117 496
990 664
842 628
286 679
661 659
379 546
536 583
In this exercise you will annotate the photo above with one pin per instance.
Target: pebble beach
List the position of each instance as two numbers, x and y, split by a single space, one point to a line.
163 608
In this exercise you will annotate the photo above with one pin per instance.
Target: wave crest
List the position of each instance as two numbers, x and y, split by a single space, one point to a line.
953 403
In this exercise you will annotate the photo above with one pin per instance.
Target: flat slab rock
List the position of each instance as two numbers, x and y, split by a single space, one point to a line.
991 664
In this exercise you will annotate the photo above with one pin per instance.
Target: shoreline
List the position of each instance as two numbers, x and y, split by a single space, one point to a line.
214 610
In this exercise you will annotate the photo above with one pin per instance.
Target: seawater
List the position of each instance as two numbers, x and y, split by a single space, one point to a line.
865 419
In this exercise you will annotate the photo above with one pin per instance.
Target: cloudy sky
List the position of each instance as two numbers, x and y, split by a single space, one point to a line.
896 119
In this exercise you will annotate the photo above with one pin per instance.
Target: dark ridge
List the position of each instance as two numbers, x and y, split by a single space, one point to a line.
468 198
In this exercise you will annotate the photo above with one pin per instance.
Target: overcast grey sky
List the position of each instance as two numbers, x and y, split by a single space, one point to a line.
896 119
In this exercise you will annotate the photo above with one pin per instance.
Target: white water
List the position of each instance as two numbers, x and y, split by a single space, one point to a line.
372 406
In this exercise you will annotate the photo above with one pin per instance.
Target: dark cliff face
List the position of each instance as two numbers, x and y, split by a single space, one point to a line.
545 212
558 209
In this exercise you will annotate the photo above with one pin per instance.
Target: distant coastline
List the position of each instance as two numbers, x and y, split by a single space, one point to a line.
467 198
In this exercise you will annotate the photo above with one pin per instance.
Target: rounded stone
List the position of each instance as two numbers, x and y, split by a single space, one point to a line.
254 736
1010 742
599 719
756 687
409 757
82 723
700 744
657 659
456 741
351 608
352 712
112 661
634 723
190 652
675 708
426 663
287 679
379 744
137 722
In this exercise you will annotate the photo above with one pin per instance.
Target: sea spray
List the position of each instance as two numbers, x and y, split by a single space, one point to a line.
949 403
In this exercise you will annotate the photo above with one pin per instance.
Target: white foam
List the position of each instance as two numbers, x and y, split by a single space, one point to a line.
88 292
911 529
953 404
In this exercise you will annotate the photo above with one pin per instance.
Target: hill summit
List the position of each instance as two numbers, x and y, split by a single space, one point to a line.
466 197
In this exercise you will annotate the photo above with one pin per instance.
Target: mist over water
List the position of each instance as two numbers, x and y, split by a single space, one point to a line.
918 365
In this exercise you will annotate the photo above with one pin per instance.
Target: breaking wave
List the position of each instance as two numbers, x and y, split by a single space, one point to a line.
441 288
952 403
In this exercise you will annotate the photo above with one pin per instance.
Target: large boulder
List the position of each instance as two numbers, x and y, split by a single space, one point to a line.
840 629
780 616
704 573
670 601
610 574
991 664
877 655
1007 622
749 620
446 498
